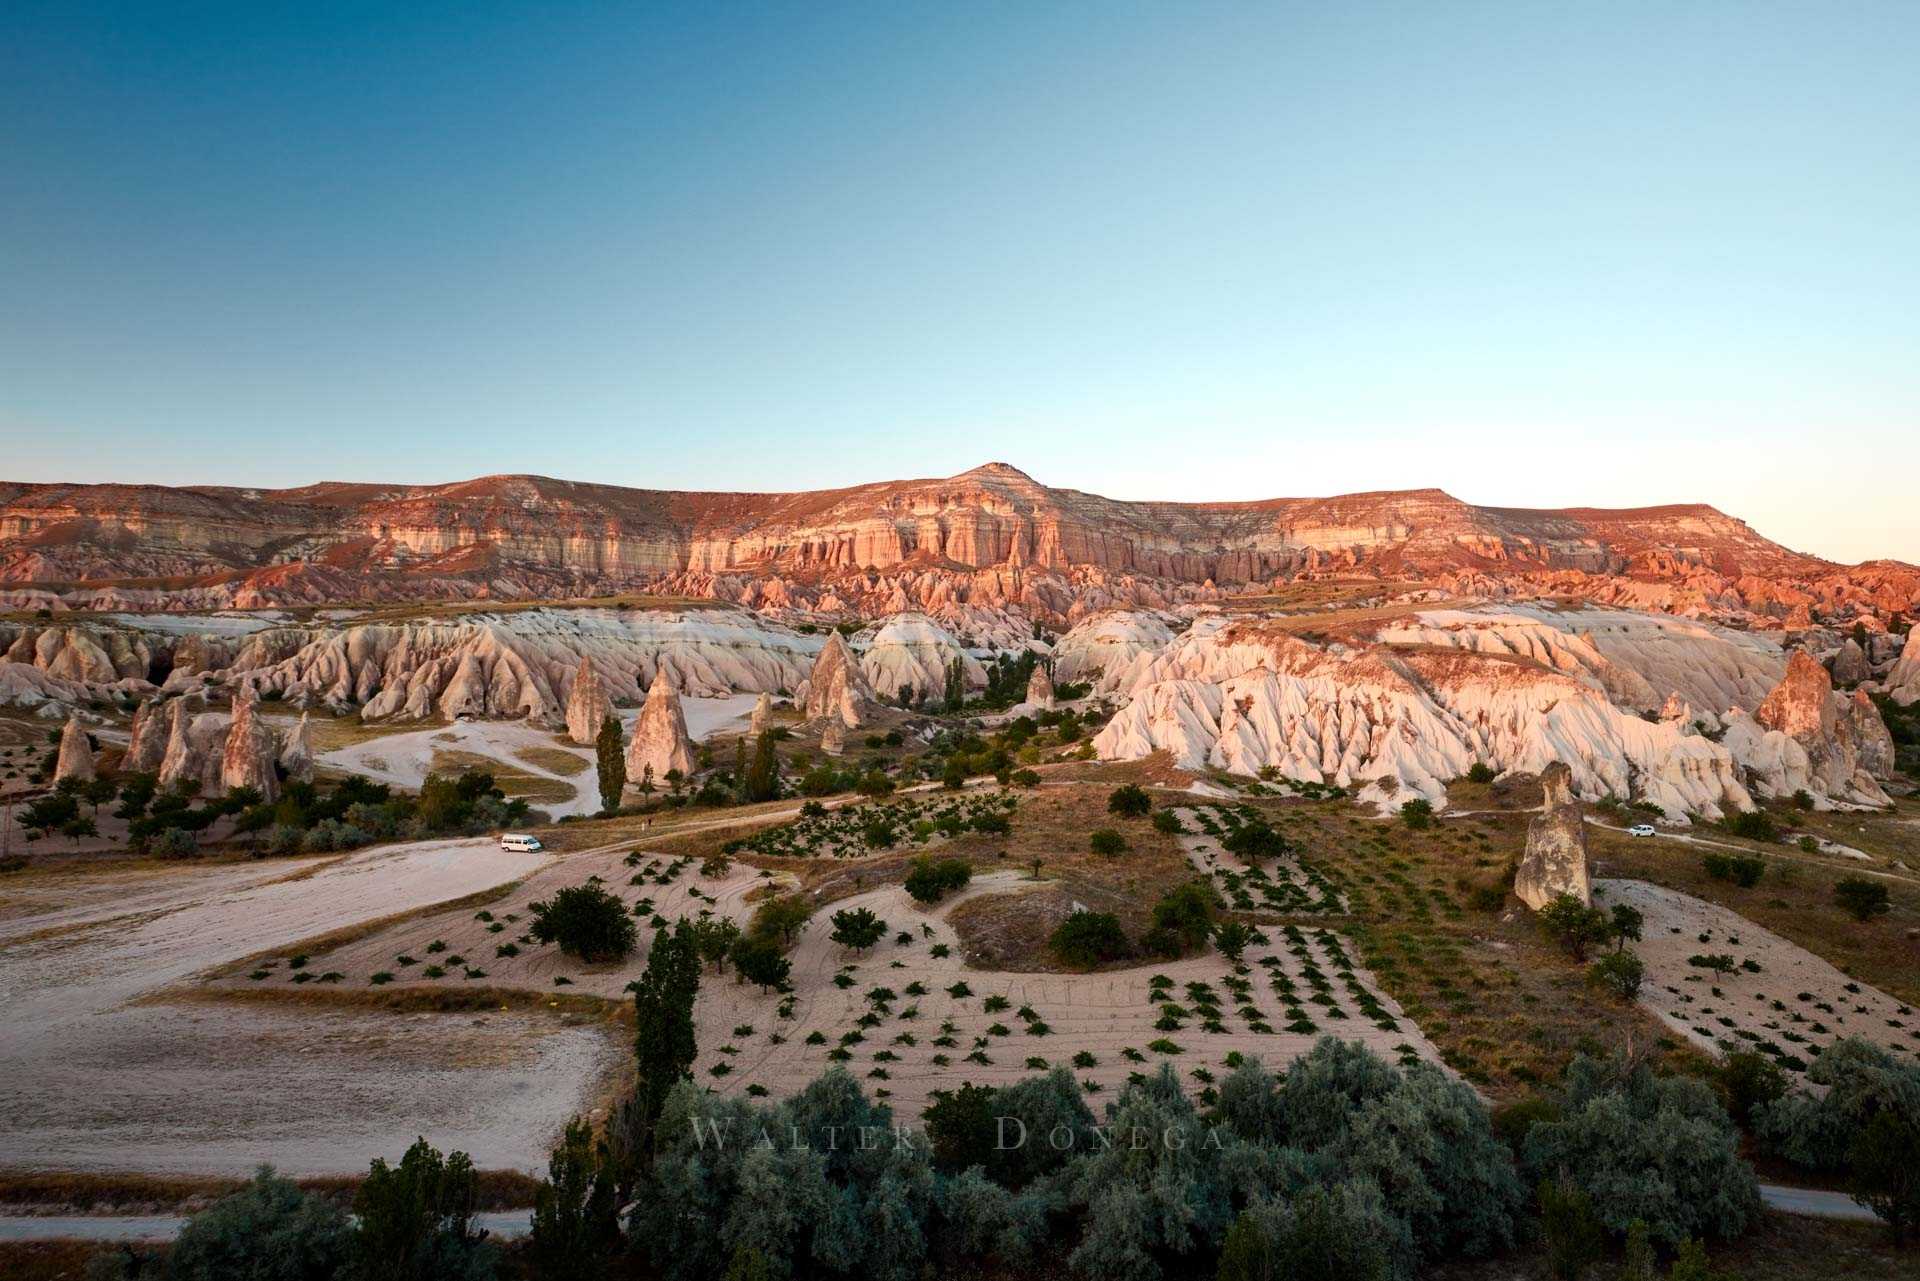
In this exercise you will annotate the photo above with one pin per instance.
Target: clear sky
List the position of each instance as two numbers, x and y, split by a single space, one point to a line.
1534 253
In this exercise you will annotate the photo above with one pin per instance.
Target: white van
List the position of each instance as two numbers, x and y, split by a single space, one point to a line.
521 843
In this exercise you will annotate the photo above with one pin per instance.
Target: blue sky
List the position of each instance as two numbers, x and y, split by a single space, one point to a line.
1536 254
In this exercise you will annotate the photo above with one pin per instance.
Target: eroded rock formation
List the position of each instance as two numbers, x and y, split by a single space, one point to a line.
1039 688
248 755
587 704
1555 862
660 742
76 753
837 687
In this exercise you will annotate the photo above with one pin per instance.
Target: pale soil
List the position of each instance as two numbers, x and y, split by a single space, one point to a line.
1682 995
101 1070
1101 1013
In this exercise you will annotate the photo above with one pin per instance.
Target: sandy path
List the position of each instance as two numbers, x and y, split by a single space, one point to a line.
1795 1002
95 1074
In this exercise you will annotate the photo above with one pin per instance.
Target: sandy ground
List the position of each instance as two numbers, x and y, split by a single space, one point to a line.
1795 1002
99 1070
741 1029
403 759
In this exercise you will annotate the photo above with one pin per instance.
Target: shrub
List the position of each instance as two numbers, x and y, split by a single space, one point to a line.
268 1231
1863 898
929 881
1480 772
857 928
587 922
1573 925
1755 825
1575 1239
1168 822
1130 801
1620 973
756 959
1107 841
1085 939
1254 840
1417 813
1744 870
176 842
1748 1082
1657 1149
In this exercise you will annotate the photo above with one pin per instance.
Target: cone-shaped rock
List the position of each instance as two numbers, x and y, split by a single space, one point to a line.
296 754
1556 859
660 736
762 716
76 754
587 704
248 757
837 687
147 746
1040 687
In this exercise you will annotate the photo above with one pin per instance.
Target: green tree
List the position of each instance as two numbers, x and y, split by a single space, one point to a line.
781 918
1107 842
1620 973
1417 813
663 998
1573 925
763 775
416 1220
586 921
1085 939
1129 801
268 1231
576 1213
1575 1240
1247 1254
610 756
757 960
1864 899
857 928
1885 1172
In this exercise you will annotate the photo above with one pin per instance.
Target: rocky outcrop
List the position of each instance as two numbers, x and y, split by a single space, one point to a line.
911 653
1903 682
837 687
247 757
762 716
296 752
76 753
1806 738
1039 688
660 743
1555 862
1108 650
1850 665
147 740
587 704
196 747
833 737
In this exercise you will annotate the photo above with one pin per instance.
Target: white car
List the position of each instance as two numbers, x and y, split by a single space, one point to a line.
521 843
1642 829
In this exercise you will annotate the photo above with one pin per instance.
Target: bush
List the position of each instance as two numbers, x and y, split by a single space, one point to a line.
1480 772
1573 925
930 881
1864 899
1107 841
1575 1239
1085 939
1755 825
1168 822
1749 1082
1182 920
1744 870
757 960
1417 813
176 842
1130 801
857 928
1254 840
268 1231
1657 1149
587 922
1620 973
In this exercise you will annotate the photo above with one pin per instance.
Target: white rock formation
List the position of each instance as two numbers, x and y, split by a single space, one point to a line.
762 716
660 741
1903 682
196 746
837 687
833 738
1108 648
1805 737
587 703
251 748
296 753
1039 688
76 754
911 651
147 741
1555 862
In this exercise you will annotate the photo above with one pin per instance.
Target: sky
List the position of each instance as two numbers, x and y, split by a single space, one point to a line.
1536 254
